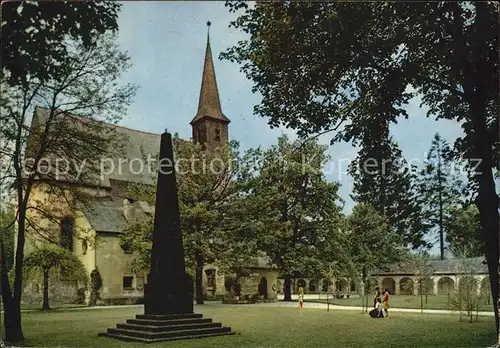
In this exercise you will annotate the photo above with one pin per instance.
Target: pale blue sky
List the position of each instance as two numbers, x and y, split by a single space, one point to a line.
166 41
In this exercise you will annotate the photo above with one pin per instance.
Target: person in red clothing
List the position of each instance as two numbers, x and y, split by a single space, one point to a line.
385 302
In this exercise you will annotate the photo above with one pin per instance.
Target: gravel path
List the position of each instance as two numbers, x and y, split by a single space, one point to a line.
315 305
307 305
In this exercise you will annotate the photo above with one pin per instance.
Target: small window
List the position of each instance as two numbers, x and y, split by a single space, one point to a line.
84 247
127 248
127 282
210 277
66 237
217 134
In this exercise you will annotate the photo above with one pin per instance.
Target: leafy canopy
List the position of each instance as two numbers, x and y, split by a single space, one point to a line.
35 35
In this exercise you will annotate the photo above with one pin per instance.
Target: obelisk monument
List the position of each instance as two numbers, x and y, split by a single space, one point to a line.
169 289
168 295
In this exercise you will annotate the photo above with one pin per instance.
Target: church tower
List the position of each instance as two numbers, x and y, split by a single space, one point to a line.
210 126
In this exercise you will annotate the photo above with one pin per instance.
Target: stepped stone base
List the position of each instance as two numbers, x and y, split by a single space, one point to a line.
155 328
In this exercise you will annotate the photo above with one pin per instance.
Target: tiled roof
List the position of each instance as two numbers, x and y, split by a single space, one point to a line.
105 216
135 147
449 266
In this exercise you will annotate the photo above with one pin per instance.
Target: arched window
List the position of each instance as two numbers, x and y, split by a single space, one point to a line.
217 134
66 237
84 247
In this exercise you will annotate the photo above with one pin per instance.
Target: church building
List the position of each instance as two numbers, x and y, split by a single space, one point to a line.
108 213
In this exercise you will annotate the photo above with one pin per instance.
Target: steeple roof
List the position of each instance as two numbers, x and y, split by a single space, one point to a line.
209 103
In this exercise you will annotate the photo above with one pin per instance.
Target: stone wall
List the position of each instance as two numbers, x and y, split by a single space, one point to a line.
59 293
113 265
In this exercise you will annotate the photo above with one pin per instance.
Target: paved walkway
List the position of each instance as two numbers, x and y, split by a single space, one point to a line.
307 305
316 305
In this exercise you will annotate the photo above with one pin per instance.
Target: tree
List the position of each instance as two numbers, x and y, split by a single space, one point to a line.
7 233
320 66
425 270
464 232
209 185
95 286
383 180
466 297
54 258
88 86
441 190
298 208
372 244
41 29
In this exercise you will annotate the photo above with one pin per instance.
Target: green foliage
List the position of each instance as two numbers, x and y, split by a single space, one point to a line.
7 232
42 29
61 57
383 179
424 283
354 61
52 259
80 296
441 190
372 244
49 257
232 286
95 286
211 188
297 210
322 65
466 298
464 232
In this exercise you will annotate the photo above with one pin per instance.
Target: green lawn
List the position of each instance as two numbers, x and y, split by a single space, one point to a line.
265 326
405 301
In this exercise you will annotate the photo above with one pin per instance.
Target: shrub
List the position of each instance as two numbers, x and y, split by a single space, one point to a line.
80 296
95 286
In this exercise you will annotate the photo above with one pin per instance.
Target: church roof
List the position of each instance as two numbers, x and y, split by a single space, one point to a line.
134 146
105 216
209 103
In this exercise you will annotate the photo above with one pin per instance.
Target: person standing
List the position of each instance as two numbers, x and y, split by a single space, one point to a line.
385 302
376 297
301 297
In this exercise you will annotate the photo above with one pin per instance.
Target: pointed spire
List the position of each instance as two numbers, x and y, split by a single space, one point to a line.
209 103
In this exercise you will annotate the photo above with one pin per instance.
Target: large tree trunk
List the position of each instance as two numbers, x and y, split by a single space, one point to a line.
487 200
199 278
12 309
288 288
488 204
45 306
482 141
440 185
12 321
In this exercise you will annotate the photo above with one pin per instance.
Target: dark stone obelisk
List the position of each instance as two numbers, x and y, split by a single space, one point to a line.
168 294
169 290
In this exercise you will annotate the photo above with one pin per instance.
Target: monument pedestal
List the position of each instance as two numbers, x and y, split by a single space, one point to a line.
163 296
156 328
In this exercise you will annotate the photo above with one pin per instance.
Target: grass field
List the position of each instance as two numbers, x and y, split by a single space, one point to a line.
266 326
405 301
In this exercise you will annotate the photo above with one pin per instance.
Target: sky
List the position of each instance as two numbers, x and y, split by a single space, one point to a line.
166 41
